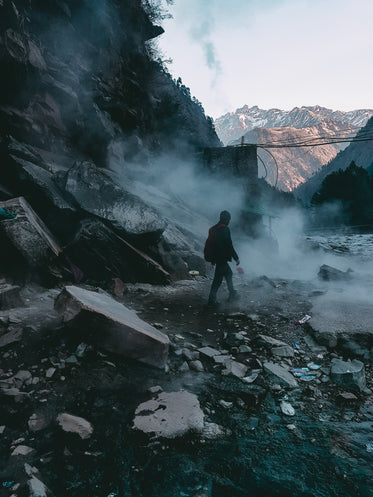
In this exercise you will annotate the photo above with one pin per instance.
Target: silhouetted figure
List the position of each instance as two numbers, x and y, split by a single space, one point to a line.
222 252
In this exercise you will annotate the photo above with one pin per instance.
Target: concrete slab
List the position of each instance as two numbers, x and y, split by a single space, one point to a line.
112 325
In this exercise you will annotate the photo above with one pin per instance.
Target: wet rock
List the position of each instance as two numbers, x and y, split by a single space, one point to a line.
329 273
170 415
113 326
2 429
348 374
75 424
244 349
184 367
280 375
190 355
221 359
50 372
22 450
155 389
225 404
234 368
283 351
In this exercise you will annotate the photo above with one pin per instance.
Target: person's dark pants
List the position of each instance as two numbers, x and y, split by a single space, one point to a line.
221 271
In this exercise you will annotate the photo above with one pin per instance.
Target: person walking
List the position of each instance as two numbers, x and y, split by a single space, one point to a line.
220 246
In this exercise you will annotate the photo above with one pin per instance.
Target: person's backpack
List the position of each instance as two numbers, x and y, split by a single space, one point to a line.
209 251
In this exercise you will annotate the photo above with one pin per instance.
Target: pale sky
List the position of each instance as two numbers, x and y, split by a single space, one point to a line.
272 53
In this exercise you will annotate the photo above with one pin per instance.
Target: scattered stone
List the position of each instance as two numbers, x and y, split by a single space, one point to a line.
212 431
9 296
234 368
184 367
270 342
159 326
22 450
329 273
116 328
155 389
170 415
75 424
225 404
348 374
283 351
190 355
280 375
196 366
291 427
287 408
71 359
11 337
37 488
81 350
221 359
2 429
346 398
37 422
244 349
50 372
251 378
209 352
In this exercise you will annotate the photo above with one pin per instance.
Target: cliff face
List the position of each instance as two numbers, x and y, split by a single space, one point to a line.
78 74
82 90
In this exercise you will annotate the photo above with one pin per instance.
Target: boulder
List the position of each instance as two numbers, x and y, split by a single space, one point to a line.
329 273
25 238
234 368
283 351
75 424
270 342
103 255
170 415
97 193
37 488
113 326
280 374
349 374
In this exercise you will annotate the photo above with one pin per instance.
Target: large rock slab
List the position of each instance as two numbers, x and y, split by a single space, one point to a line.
349 374
27 235
170 415
113 326
95 192
102 254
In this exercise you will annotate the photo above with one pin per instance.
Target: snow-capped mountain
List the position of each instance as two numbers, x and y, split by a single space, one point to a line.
233 125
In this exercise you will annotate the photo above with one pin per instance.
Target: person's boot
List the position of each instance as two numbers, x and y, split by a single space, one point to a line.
233 296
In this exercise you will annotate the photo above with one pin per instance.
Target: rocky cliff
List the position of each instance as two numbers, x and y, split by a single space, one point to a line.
82 91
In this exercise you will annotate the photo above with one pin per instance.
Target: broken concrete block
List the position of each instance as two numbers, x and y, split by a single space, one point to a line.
348 374
170 415
113 326
279 374
75 424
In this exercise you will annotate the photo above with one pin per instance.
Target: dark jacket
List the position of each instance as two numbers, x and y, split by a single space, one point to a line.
223 246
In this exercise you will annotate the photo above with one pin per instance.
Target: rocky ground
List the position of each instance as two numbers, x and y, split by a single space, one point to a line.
75 420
